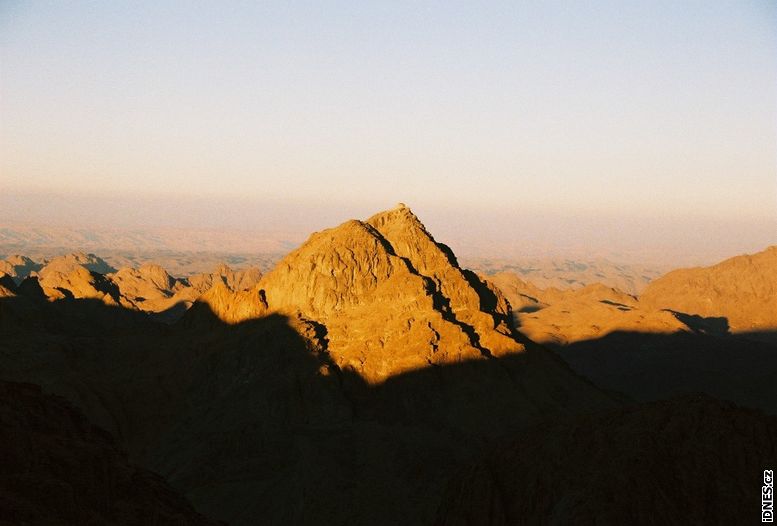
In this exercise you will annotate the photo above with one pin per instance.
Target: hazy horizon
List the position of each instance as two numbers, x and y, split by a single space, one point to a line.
591 129
247 226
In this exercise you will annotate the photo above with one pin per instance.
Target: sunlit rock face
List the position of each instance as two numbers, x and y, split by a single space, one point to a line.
743 289
228 305
391 298
77 276
18 267
223 274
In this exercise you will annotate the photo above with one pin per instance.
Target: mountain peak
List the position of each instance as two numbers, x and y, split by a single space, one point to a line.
399 216
391 297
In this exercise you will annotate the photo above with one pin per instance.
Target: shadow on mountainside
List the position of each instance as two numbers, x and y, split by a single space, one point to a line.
254 423
690 460
58 468
646 366
710 325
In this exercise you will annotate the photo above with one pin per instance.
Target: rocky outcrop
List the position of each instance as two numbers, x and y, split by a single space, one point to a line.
18 267
223 274
69 262
58 468
149 288
72 280
463 294
137 282
227 305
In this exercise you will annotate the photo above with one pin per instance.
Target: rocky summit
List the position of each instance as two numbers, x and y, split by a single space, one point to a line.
391 297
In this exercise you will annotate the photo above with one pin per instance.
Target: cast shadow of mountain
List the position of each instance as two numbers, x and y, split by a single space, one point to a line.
254 423
58 468
713 326
685 461
649 366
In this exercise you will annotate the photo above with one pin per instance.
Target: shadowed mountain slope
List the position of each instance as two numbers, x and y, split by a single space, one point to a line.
651 366
693 460
59 469
255 422
343 388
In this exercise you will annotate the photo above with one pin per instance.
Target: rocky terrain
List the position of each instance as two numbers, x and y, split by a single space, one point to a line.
342 387
554 316
350 383
148 288
705 329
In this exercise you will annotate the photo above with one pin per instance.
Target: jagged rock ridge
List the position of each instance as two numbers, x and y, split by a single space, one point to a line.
148 288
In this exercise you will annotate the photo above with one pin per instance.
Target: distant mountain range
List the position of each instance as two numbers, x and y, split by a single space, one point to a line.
186 252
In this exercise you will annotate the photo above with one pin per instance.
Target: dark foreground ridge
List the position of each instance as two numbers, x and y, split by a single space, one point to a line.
692 460
254 423
57 468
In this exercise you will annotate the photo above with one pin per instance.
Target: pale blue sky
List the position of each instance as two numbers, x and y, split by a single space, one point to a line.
642 110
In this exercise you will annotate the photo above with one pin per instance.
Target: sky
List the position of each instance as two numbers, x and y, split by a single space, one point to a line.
506 126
